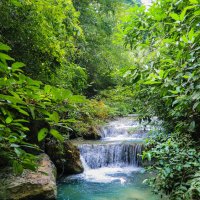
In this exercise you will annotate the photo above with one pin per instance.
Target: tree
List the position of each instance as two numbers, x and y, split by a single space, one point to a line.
43 35
97 53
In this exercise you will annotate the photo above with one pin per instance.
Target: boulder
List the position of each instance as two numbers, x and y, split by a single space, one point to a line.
65 156
73 163
39 185
92 134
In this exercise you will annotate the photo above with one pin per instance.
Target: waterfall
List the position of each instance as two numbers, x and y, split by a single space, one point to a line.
123 129
104 155
118 147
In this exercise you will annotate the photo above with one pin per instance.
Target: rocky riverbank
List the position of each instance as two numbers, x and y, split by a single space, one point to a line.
30 185
41 184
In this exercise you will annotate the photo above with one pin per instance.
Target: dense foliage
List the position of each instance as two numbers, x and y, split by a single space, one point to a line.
119 99
22 100
64 43
66 48
165 77
73 47
26 102
97 53
43 35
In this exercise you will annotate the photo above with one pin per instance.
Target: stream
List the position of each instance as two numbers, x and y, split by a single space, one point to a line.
112 166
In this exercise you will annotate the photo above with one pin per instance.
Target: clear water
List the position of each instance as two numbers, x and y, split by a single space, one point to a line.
118 180
106 184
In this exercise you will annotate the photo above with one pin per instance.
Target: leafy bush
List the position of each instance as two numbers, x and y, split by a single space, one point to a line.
89 116
23 101
176 162
167 72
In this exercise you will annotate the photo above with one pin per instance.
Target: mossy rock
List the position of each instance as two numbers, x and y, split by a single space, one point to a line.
65 156
92 134
30 185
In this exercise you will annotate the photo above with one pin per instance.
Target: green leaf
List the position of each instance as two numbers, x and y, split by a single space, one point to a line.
4 56
32 110
57 135
182 15
196 105
19 109
11 99
184 39
148 156
161 73
196 96
71 120
17 65
77 99
14 145
18 151
47 89
44 111
191 34
4 47
42 134
54 117
145 181
16 3
174 91
167 170
9 120
20 120
127 73
175 16
192 126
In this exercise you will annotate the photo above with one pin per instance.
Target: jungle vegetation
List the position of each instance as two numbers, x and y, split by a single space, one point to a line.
165 78
70 65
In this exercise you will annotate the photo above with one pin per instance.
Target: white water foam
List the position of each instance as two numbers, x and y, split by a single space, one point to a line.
122 138
106 174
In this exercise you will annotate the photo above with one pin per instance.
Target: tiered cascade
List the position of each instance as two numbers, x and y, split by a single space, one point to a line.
119 146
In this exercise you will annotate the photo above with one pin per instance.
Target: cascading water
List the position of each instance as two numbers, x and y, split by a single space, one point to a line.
111 166
104 155
119 146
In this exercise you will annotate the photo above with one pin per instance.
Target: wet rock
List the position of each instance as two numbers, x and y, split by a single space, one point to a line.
92 134
65 156
30 185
